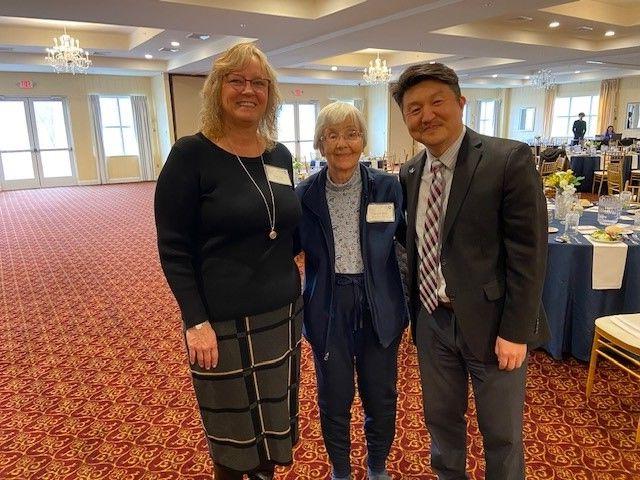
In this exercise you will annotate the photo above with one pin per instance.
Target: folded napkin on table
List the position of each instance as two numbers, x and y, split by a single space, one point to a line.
609 260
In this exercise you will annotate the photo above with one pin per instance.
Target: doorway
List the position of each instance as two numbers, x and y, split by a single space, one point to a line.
35 146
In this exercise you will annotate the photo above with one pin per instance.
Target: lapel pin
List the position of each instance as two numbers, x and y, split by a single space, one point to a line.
412 169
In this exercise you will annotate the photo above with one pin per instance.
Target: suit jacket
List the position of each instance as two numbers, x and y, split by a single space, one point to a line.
579 128
494 243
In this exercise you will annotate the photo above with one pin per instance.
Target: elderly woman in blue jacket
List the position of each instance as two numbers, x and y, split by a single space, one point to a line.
355 310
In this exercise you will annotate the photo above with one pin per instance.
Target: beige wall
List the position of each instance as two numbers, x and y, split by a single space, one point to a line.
629 93
77 88
123 168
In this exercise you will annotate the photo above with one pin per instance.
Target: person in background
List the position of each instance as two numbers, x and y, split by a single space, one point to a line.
226 214
354 305
476 247
608 135
579 128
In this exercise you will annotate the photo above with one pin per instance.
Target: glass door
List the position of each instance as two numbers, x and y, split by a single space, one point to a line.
53 149
18 167
35 148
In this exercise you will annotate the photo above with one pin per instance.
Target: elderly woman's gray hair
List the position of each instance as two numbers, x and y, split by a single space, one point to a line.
335 113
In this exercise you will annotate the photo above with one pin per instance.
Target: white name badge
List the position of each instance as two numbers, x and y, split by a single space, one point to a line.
380 212
278 175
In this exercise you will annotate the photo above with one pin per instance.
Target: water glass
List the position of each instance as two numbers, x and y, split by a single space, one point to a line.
609 208
571 223
625 198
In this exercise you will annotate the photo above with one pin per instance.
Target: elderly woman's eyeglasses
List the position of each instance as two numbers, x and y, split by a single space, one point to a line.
238 82
351 136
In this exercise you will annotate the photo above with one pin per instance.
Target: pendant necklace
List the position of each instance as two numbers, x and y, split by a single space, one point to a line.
272 218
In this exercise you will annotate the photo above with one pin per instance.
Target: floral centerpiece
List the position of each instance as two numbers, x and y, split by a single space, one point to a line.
565 184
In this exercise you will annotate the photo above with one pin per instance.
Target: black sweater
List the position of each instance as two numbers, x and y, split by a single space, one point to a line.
213 232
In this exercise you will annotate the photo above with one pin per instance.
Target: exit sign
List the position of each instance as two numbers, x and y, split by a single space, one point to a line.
26 84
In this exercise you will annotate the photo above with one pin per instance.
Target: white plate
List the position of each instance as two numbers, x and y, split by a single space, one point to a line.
586 229
604 241
552 229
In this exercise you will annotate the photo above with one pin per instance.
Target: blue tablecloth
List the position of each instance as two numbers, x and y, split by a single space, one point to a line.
571 304
585 166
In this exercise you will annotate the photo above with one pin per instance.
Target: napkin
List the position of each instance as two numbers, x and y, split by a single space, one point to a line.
609 260
592 209
626 217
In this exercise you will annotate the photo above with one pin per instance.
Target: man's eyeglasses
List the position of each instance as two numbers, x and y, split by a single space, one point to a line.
351 136
238 82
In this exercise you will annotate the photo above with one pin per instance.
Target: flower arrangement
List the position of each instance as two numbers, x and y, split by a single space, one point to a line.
565 181
565 184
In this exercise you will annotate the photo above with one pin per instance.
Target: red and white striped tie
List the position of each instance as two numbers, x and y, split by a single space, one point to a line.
428 272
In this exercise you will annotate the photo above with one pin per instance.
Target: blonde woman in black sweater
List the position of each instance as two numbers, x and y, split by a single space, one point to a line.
225 214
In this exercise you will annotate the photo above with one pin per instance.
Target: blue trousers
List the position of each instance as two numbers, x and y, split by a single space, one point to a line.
353 345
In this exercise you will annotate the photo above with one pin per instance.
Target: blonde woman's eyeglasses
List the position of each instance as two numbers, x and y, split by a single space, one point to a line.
351 136
238 83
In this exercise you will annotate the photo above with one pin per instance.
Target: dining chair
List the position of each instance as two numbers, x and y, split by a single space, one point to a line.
635 191
614 178
617 339
600 176
547 168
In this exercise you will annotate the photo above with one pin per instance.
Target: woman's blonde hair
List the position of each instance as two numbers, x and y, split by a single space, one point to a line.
335 113
236 58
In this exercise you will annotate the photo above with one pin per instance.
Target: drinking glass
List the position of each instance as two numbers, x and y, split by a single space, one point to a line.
571 223
609 208
625 198
636 226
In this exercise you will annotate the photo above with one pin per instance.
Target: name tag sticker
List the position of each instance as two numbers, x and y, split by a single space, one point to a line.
278 175
380 212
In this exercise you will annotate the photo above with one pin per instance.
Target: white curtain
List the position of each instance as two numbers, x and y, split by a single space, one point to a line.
96 124
141 121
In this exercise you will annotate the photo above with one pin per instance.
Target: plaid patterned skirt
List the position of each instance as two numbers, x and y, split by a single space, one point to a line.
249 402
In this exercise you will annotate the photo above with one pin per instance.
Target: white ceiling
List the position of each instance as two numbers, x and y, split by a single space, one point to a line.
304 38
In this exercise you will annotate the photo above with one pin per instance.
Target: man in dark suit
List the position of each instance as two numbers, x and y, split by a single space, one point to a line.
579 127
476 247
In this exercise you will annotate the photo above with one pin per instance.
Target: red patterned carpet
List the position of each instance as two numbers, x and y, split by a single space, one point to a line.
94 382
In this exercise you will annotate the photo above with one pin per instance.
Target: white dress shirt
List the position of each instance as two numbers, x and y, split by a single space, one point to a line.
448 160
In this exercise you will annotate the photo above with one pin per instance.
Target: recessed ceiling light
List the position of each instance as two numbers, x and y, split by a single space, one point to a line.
175 44
148 56
495 75
243 25
432 62
609 33
554 24
334 68
577 71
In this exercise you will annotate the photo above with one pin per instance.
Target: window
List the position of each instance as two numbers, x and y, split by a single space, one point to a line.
487 119
527 119
464 114
566 110
296 127
118 132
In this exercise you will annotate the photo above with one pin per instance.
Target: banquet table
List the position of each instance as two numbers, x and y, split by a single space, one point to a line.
586 165
570 303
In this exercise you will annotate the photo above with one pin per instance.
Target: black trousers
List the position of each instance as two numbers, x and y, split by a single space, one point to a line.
353 344
445 367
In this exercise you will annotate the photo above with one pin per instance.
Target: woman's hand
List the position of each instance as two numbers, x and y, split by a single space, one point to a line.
203 346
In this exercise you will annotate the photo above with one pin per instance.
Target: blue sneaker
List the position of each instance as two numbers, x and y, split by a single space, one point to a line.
383 475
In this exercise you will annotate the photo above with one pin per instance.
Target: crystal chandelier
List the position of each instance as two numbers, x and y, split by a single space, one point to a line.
66 56
544 79
377 72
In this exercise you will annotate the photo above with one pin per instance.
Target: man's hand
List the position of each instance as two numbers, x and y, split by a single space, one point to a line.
510 355
203 346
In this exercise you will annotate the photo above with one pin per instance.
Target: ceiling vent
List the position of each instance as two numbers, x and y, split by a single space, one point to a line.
169 49
6 49
585 28
199 36
521 19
